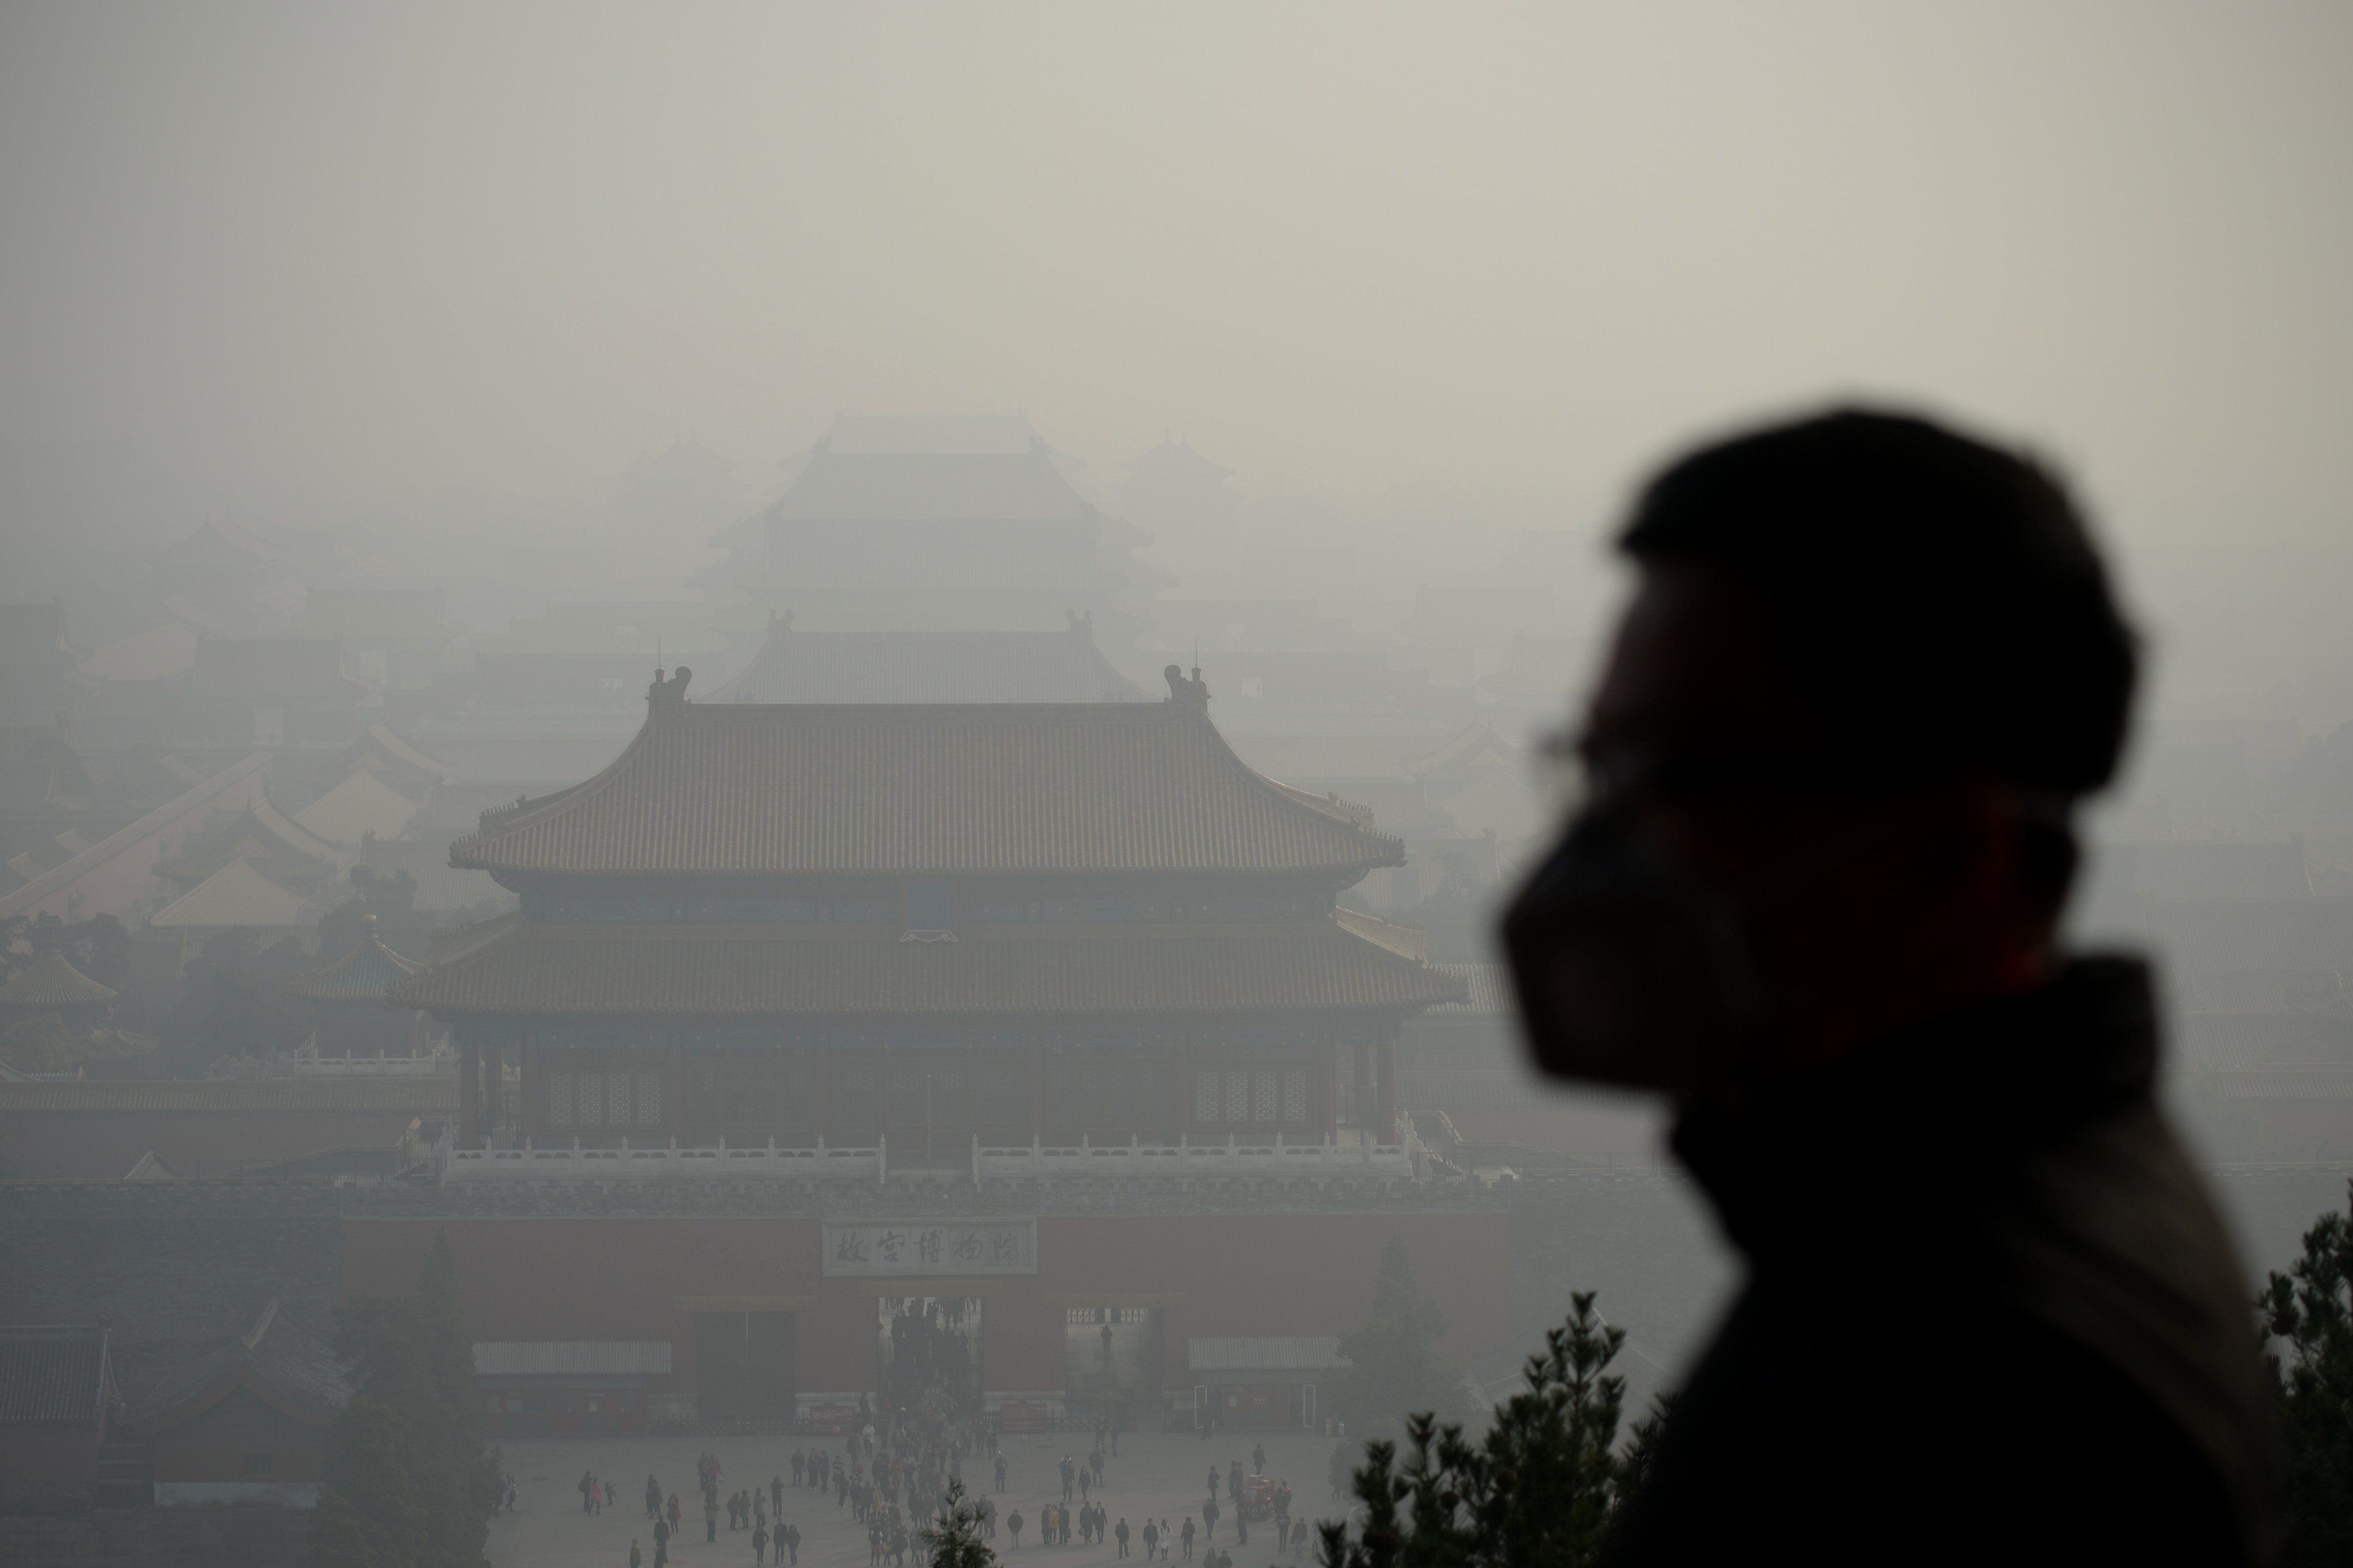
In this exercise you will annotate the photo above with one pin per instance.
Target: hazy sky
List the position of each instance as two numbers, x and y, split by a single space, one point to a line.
316 254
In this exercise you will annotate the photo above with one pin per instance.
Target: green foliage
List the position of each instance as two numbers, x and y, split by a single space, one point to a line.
400 925
99 946
2311 1307
1395 1364
234 1003
953 1540
409 1485
37 1044
1545 1487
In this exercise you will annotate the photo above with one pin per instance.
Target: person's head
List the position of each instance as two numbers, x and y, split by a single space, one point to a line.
1870 666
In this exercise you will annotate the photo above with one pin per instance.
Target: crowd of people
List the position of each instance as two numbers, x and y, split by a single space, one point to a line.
892 1473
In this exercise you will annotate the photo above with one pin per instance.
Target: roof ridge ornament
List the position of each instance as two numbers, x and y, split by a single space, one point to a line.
665 697
1194 692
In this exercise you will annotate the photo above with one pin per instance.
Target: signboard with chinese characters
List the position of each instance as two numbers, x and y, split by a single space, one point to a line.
910 1250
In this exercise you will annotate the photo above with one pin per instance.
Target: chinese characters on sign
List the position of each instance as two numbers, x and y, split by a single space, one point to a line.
914 1247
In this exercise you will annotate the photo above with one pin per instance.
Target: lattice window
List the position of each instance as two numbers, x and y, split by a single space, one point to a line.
1262 1102
1077 1315
616 1099
1295 1096
1205 1097
559 1100
1237 1097
650 1098
592 1098
1135 1314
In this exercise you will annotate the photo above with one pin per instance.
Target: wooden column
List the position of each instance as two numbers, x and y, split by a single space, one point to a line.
1386 1095
469 1099
1360 1100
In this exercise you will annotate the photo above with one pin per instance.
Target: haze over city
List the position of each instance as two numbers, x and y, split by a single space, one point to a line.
1008 693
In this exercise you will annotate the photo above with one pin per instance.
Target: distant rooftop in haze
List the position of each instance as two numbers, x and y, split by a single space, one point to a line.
1063 666
970 435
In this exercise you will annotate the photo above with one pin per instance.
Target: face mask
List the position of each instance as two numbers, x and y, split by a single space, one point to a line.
1628 970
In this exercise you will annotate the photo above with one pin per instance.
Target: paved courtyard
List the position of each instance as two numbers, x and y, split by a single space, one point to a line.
1161 1475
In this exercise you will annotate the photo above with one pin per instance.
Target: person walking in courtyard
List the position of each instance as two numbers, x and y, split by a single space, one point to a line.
676 1513
1188 1539
1013 1524
1258 1459
759 1545
662 1540
1210 1511
1119 1533
1000 1472
711 1515
791 1536
1151 1537
637 1558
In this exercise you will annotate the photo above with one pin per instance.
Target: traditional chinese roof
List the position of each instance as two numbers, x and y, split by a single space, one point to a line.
732 789
34 635
295 1371
359 804
54 1377
271 669
415 1095
151 655
777 970
379 615
385 751
49 981
362 975
931 666
931 487
261 834
215 544
1489 987
238 894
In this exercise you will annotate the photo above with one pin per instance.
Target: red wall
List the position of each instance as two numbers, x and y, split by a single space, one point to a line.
552 1278
53 1145
31 1457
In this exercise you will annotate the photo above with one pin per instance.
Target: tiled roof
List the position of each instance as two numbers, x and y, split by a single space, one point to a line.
362 975
1490 987
931 666
25 898
931 487
773 970
49 981
237 895
52 1377
720 789
359 804
297 1367
271 668
361 1095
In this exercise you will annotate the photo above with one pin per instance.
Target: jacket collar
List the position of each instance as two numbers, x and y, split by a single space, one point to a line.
1927 1113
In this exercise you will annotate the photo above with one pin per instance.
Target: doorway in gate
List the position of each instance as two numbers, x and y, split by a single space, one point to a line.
929 1353
743 1370
1111 1356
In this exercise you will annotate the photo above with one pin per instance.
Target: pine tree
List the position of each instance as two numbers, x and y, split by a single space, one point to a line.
2311 1307
1543 1487
409 1485
1394 1360
953 1540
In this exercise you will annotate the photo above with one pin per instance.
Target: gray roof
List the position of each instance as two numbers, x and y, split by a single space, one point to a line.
931 487
297 1366
53 1377
52 980
563 1358
362 975
1491 989
1294 1352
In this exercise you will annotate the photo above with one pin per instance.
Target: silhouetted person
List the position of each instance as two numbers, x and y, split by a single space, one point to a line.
1990 1314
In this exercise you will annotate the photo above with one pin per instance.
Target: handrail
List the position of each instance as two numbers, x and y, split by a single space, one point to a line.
1278 1157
